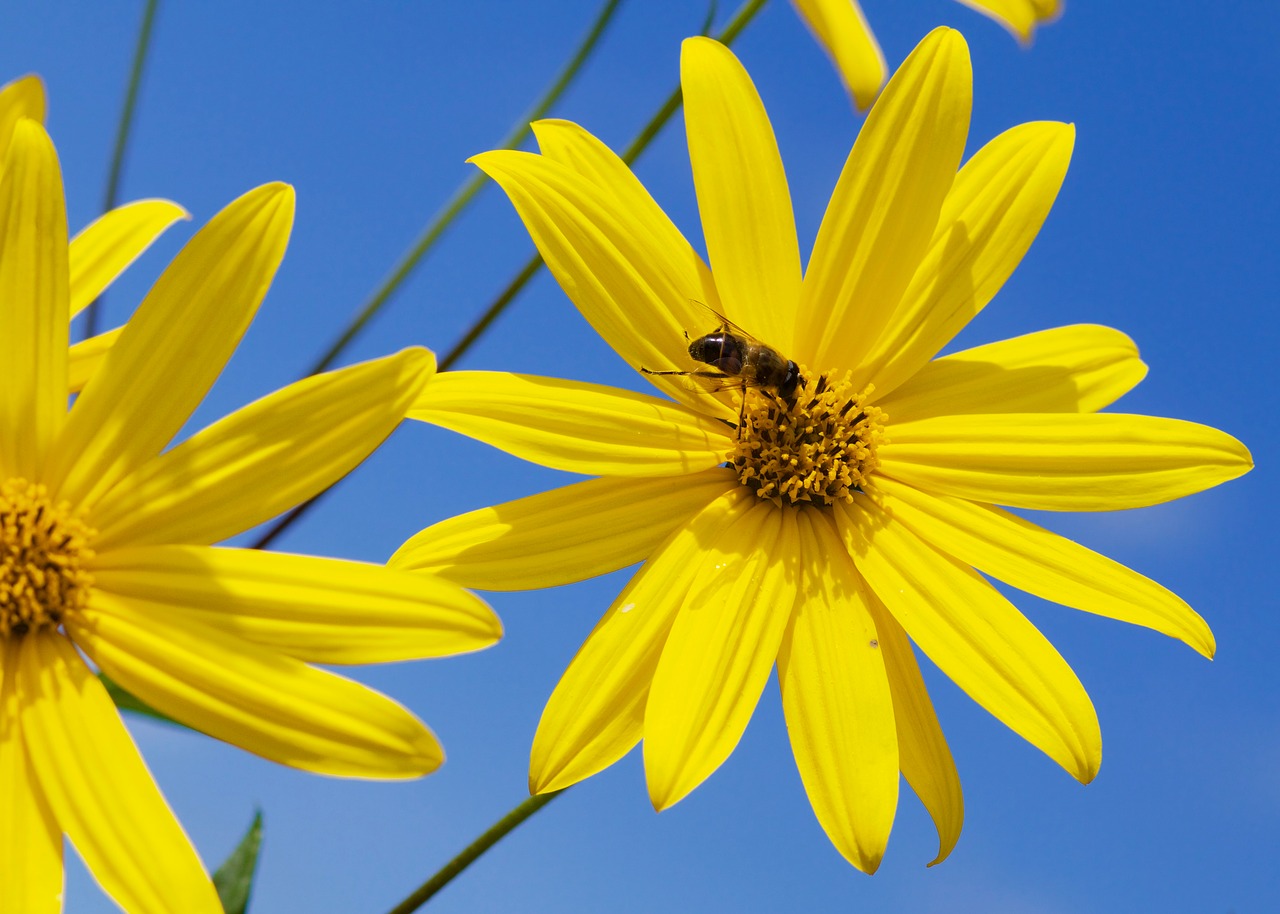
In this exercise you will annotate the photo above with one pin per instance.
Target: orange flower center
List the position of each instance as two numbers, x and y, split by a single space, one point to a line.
816 446
43 550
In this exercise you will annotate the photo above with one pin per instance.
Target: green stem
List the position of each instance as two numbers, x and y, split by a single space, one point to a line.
436 227
122 133
745 13
462 196
423 893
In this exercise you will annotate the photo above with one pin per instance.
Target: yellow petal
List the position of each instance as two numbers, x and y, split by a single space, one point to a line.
572 426
595 715
995 208
99 789
30 839
1031 558
252 697
720 651
105 248
835 695
568 144
882 212
1082 368
742 193
22 97
1019 16
33 302
1062 461
977 637
315 609
842 30
922 749
640 291
86 356
565 535
175 345
265 458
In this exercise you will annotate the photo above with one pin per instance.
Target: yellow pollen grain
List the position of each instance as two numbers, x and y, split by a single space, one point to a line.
43 551
816 447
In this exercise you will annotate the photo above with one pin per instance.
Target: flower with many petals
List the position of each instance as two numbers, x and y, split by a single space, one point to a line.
843 31
105 553
828 527
103 250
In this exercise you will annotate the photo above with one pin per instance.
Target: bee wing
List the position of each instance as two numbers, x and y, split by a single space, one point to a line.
726 324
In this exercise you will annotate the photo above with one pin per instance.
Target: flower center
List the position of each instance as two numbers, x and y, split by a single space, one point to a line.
43 550
817 446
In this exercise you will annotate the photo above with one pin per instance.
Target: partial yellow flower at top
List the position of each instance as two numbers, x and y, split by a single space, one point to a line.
105 552
105 248
826 513
842 29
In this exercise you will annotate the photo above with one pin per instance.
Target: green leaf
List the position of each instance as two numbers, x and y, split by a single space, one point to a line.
125 701
234 879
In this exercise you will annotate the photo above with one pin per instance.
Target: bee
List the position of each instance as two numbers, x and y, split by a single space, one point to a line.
733 354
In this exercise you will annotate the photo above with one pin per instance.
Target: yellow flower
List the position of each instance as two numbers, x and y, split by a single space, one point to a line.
105 553
839 522
103 250
842 30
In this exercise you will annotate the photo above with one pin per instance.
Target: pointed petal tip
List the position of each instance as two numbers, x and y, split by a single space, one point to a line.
31 85
545 123
29 130
1088 768
548 780
945 36
486 160
419 359
275 195
862 861
938 859
665 795
426 755
698 44
1199 637
176 211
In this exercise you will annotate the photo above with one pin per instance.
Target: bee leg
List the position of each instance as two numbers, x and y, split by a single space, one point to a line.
687 374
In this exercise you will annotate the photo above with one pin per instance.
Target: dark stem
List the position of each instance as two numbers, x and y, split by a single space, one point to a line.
732 29
285 522
423 893
638 145
122 135
410 260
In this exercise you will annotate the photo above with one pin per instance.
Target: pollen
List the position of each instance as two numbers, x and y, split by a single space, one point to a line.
817 446
43 552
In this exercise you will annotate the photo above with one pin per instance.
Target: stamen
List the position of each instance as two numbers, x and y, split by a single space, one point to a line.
811 453
43 550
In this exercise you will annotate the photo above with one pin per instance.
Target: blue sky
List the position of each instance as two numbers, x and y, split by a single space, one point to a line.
1165 228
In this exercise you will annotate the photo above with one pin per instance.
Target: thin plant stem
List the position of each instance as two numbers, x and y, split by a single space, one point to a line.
123 129
434 229
423 893
744 14
732 29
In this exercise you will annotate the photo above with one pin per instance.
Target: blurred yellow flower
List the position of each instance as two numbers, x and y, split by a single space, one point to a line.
103 250
105 553
829 526
842 29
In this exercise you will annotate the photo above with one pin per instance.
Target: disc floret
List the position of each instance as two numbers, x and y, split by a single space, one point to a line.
817 446
44 548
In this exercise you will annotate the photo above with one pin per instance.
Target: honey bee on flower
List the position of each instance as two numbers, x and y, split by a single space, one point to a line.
834 531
